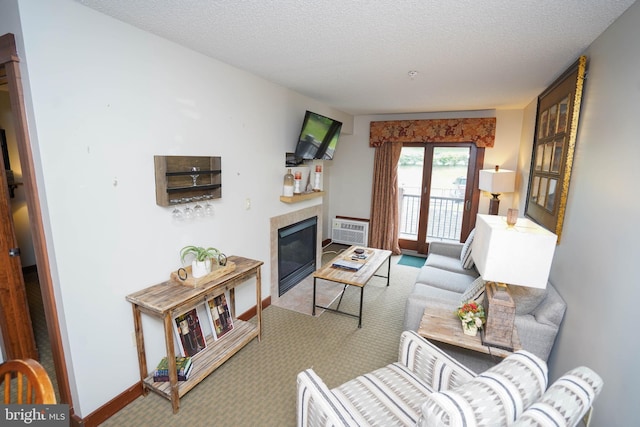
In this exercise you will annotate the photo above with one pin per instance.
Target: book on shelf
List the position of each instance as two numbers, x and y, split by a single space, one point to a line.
181 376
219 316
183 364
189 331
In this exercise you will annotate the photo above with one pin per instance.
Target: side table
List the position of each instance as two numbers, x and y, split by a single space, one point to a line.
441 324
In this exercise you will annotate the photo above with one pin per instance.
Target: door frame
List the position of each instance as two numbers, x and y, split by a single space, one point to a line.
471 195
10 60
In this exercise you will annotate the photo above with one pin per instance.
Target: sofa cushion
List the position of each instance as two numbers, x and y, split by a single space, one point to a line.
388 396
433 293
496 397
444 279
465 255
448 263
475 292
526 299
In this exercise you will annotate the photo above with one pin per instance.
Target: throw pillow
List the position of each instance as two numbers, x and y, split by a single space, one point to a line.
465 254
475 292
526 299
496 397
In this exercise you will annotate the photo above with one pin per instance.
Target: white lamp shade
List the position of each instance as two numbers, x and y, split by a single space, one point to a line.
519 255
496 182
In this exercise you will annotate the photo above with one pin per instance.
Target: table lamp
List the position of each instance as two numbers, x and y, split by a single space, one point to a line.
516 255
496 181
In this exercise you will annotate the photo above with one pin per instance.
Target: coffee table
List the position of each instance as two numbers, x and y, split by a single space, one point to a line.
440 323
374 260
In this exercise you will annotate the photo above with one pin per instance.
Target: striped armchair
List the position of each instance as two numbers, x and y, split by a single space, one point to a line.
426 387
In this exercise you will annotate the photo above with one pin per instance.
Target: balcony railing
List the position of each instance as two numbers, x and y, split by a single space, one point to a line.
445 217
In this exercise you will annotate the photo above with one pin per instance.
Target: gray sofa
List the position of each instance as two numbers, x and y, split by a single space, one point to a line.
443 281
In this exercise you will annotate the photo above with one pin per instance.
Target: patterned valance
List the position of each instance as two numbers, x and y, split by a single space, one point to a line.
481 131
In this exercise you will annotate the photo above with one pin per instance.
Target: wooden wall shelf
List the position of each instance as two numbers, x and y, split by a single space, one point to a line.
174 184
301 197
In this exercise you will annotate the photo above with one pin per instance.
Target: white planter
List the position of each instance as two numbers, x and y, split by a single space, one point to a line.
200 268
469 329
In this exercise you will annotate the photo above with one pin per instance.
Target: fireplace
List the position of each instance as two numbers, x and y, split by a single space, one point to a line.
282 221
296 253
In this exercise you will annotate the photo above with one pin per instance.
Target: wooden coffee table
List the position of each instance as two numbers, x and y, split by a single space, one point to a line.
440 323
374 260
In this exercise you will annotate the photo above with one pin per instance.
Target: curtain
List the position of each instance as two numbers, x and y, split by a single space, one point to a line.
387 137
383 227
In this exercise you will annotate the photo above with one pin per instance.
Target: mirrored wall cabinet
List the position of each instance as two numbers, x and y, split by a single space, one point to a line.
186 179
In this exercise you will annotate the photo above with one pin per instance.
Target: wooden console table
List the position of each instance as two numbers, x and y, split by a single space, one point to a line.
169 299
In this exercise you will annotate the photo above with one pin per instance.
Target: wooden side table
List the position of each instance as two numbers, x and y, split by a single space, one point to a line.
441 324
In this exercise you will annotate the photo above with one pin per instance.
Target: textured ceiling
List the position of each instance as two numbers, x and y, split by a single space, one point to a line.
356 55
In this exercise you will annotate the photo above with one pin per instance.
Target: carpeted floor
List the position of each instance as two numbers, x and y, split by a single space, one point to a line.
411 260
257 386
39 322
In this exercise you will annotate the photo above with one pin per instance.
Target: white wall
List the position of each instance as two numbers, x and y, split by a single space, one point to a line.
352 169
595 266
103 98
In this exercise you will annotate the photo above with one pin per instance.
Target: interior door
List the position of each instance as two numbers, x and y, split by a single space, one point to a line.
11 268
15 320
438 196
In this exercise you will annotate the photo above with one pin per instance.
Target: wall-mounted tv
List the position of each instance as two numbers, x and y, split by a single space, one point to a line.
318 137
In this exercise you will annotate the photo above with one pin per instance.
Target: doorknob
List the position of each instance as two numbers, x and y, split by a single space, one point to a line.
467 205
14 252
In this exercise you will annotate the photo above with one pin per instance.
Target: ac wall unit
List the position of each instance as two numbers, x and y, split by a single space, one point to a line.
350 232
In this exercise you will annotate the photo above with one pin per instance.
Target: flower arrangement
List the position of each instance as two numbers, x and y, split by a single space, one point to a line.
472 316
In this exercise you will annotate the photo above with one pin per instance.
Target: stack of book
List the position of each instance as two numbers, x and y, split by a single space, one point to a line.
183 366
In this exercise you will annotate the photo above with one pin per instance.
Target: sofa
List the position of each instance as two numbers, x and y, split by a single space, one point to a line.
426 387
449 277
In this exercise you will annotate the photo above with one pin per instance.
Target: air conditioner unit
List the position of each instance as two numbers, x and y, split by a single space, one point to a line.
350 232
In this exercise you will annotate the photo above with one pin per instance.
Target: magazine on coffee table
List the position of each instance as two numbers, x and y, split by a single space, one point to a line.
353 260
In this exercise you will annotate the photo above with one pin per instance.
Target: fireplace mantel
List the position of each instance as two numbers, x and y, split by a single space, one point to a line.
301 197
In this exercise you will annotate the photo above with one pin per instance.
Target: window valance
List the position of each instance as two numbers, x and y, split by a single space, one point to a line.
481 131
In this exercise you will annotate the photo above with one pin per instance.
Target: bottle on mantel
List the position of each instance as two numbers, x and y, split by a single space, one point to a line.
288 184
297 183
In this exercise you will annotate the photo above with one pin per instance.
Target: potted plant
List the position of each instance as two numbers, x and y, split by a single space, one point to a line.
201 263
472 316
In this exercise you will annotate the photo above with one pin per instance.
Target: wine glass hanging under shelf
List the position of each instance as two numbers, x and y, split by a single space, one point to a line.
184 179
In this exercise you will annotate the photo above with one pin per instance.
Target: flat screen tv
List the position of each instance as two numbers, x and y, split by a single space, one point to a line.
318 137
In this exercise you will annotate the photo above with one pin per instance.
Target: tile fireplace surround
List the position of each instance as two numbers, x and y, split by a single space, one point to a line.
277 222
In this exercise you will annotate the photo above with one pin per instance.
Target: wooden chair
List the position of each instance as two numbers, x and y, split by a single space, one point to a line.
32 383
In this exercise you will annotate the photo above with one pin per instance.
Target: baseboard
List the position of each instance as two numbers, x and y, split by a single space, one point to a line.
118 403
252 311
110 408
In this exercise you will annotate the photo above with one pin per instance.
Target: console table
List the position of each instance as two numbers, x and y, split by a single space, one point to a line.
169 299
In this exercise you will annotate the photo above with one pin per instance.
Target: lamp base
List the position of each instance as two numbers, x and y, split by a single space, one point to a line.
501 313
494 204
